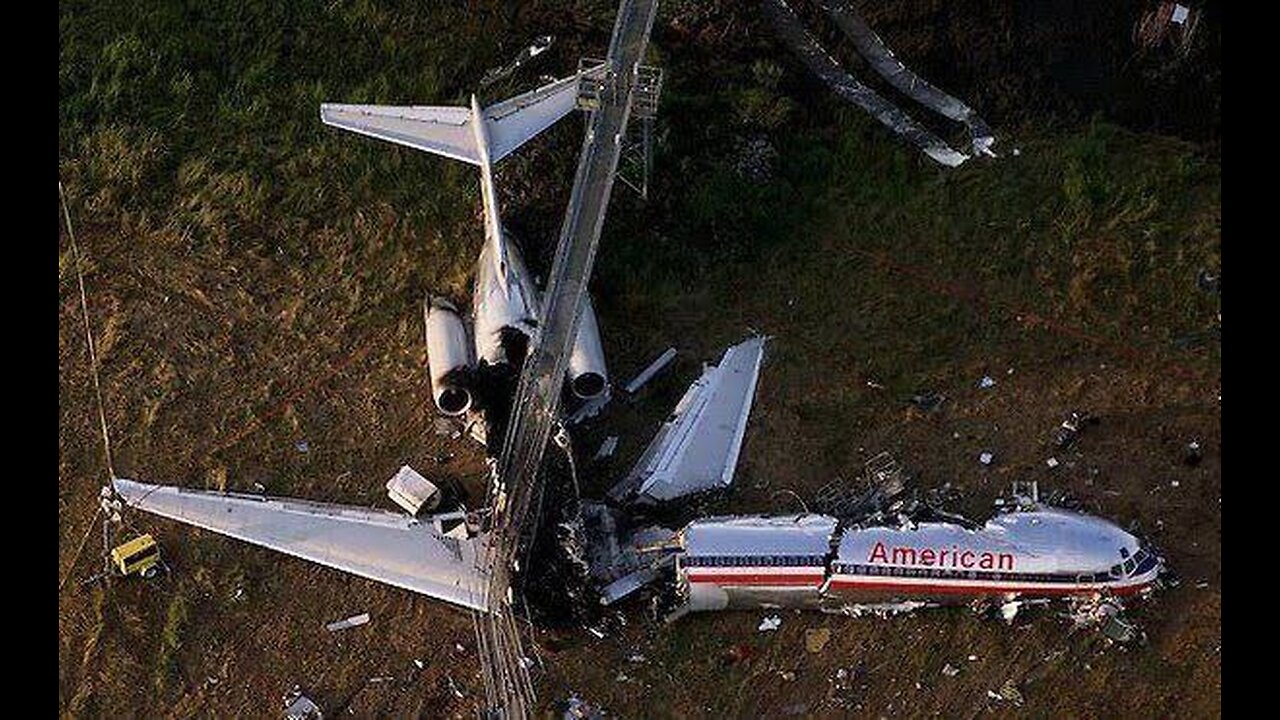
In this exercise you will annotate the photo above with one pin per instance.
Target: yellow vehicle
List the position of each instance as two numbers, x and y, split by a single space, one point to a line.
139 556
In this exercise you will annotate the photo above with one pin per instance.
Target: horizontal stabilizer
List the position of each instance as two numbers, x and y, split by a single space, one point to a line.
511 123
448 131
439 130
387 547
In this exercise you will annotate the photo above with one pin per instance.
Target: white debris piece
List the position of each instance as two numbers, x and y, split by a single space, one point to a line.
986 382
772 622
300 707
607 448
697 448
649 372
350 622
1052 462
412 492
950 670
1009 610
1180 13
986 458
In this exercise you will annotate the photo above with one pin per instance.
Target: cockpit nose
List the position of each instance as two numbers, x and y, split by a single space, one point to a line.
1140 563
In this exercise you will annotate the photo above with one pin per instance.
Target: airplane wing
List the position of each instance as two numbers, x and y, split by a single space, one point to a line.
383 546
697 448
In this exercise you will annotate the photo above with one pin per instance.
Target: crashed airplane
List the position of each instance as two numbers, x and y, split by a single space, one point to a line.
887 553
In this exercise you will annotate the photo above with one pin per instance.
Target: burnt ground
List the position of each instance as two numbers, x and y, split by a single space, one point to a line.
254 286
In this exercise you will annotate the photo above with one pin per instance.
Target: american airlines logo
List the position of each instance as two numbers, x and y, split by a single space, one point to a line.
929 557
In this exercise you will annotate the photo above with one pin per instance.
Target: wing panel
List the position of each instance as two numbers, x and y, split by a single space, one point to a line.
382 546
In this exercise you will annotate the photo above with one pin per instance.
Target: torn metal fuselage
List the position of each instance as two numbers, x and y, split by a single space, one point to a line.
817 562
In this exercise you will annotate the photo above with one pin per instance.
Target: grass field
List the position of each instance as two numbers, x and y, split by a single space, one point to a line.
254 282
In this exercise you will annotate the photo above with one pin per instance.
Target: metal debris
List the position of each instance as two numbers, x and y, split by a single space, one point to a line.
1052 462
650 371
300 707
772 622
1068 432
950 670
453 687
1170 21
540 45
888 66
829 71
578 709
353 621
986 458
1106 614
408 489
1119 630
1009 610
987 382
607 448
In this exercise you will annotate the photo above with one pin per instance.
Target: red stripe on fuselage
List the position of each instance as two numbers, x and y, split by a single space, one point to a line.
972 588
813 579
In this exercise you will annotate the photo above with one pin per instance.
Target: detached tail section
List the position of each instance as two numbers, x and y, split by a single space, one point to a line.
450 131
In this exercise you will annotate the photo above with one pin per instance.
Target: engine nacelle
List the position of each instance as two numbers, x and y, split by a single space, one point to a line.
448 357
588 376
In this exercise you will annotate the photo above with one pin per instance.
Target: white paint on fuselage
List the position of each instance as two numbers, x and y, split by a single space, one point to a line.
1043 552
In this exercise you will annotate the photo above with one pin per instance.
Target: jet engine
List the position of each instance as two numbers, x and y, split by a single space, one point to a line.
448 357
587 374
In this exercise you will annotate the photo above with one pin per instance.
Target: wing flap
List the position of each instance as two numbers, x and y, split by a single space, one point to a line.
382 546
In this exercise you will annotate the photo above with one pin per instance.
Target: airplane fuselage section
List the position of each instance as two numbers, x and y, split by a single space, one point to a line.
1041 553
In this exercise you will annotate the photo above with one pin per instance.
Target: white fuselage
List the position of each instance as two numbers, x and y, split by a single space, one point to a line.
809 561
